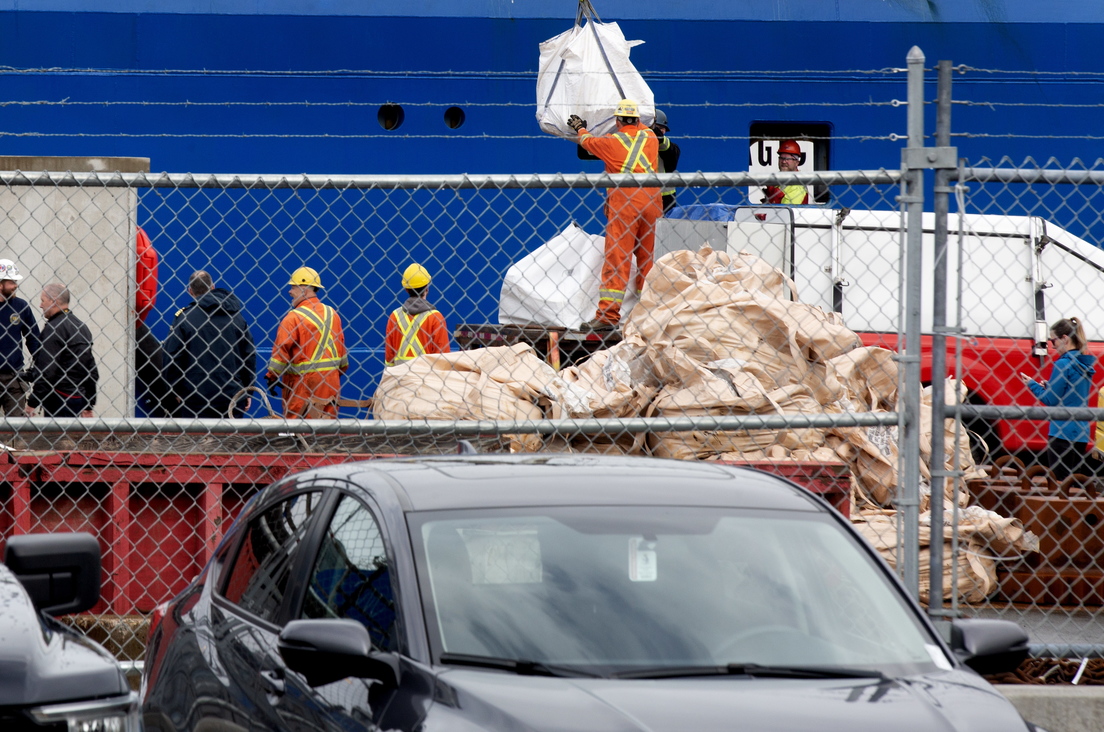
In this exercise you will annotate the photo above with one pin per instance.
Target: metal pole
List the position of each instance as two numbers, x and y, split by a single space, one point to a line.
908 493
941 203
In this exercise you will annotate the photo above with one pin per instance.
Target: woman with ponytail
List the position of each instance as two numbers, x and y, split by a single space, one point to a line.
1069 386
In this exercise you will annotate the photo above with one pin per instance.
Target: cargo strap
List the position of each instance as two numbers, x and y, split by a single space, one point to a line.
587 11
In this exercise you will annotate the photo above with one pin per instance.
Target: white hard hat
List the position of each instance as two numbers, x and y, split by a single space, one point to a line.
8 271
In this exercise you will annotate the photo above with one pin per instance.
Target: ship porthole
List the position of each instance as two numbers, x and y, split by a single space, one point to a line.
390 116
454 118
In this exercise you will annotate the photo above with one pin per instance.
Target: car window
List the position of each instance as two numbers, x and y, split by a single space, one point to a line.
259 576
351 577
662 586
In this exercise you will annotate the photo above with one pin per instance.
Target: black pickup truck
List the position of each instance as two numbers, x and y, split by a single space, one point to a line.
51 677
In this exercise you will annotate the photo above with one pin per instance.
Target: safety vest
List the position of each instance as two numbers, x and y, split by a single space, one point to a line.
795 194
410 347
635 158
325 356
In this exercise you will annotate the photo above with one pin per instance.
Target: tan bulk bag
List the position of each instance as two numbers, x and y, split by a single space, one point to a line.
499 383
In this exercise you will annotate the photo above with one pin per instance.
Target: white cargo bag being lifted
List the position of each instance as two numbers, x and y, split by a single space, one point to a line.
586 71
557 284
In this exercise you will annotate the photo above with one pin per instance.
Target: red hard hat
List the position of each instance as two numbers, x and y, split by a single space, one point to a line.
789 146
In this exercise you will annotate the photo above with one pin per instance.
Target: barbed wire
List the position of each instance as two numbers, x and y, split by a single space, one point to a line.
963 68
1021 136
1048 105
307 103
412 72
386 135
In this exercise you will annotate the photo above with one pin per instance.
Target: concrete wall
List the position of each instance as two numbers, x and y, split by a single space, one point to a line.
1058 708
83 238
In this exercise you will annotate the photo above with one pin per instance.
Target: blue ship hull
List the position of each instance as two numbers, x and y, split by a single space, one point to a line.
483 60
224 92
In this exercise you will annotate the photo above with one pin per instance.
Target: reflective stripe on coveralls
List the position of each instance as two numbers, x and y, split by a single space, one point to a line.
636 157
410 347
326 345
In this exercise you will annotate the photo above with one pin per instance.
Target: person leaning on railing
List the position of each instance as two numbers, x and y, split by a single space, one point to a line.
1068 386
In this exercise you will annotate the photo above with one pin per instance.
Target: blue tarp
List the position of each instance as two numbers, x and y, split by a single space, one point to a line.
703 212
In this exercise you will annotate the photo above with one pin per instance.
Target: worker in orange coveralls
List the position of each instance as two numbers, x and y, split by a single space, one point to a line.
416 327
309 355
631 212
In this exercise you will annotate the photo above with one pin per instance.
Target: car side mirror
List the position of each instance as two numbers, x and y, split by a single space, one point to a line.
61 572
988 646
324 651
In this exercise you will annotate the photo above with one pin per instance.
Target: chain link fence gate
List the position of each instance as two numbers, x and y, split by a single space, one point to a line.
1021 307
1049 269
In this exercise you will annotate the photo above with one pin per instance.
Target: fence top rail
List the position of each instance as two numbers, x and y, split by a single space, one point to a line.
447 182
1014 411
44 425
1031 175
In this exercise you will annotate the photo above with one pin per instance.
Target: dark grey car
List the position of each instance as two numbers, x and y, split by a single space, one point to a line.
52 678
545 592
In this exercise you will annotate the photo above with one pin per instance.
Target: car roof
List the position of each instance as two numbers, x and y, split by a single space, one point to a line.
483 481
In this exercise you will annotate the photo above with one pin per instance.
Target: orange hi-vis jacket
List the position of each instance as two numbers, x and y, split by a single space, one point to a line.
309 356
632 149
409 336
631 212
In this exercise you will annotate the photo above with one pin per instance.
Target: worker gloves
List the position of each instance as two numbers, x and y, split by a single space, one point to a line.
576 122
272 380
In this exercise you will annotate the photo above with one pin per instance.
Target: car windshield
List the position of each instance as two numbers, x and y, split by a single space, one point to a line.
635 590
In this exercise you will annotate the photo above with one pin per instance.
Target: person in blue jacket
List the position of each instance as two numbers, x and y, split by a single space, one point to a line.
1069 386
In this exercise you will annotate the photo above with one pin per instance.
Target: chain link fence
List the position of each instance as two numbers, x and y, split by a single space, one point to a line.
796 339
1033 420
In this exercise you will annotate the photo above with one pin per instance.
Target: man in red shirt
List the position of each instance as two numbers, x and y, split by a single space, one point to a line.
631 212
415 328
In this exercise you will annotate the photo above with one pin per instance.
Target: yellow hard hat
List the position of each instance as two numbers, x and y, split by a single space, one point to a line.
305 276
415 277
627 108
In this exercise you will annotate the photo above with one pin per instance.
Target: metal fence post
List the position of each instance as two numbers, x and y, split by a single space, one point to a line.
941 204
909 499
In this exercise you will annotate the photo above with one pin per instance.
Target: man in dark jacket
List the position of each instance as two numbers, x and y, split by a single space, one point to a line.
209 355
669 153
65 373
